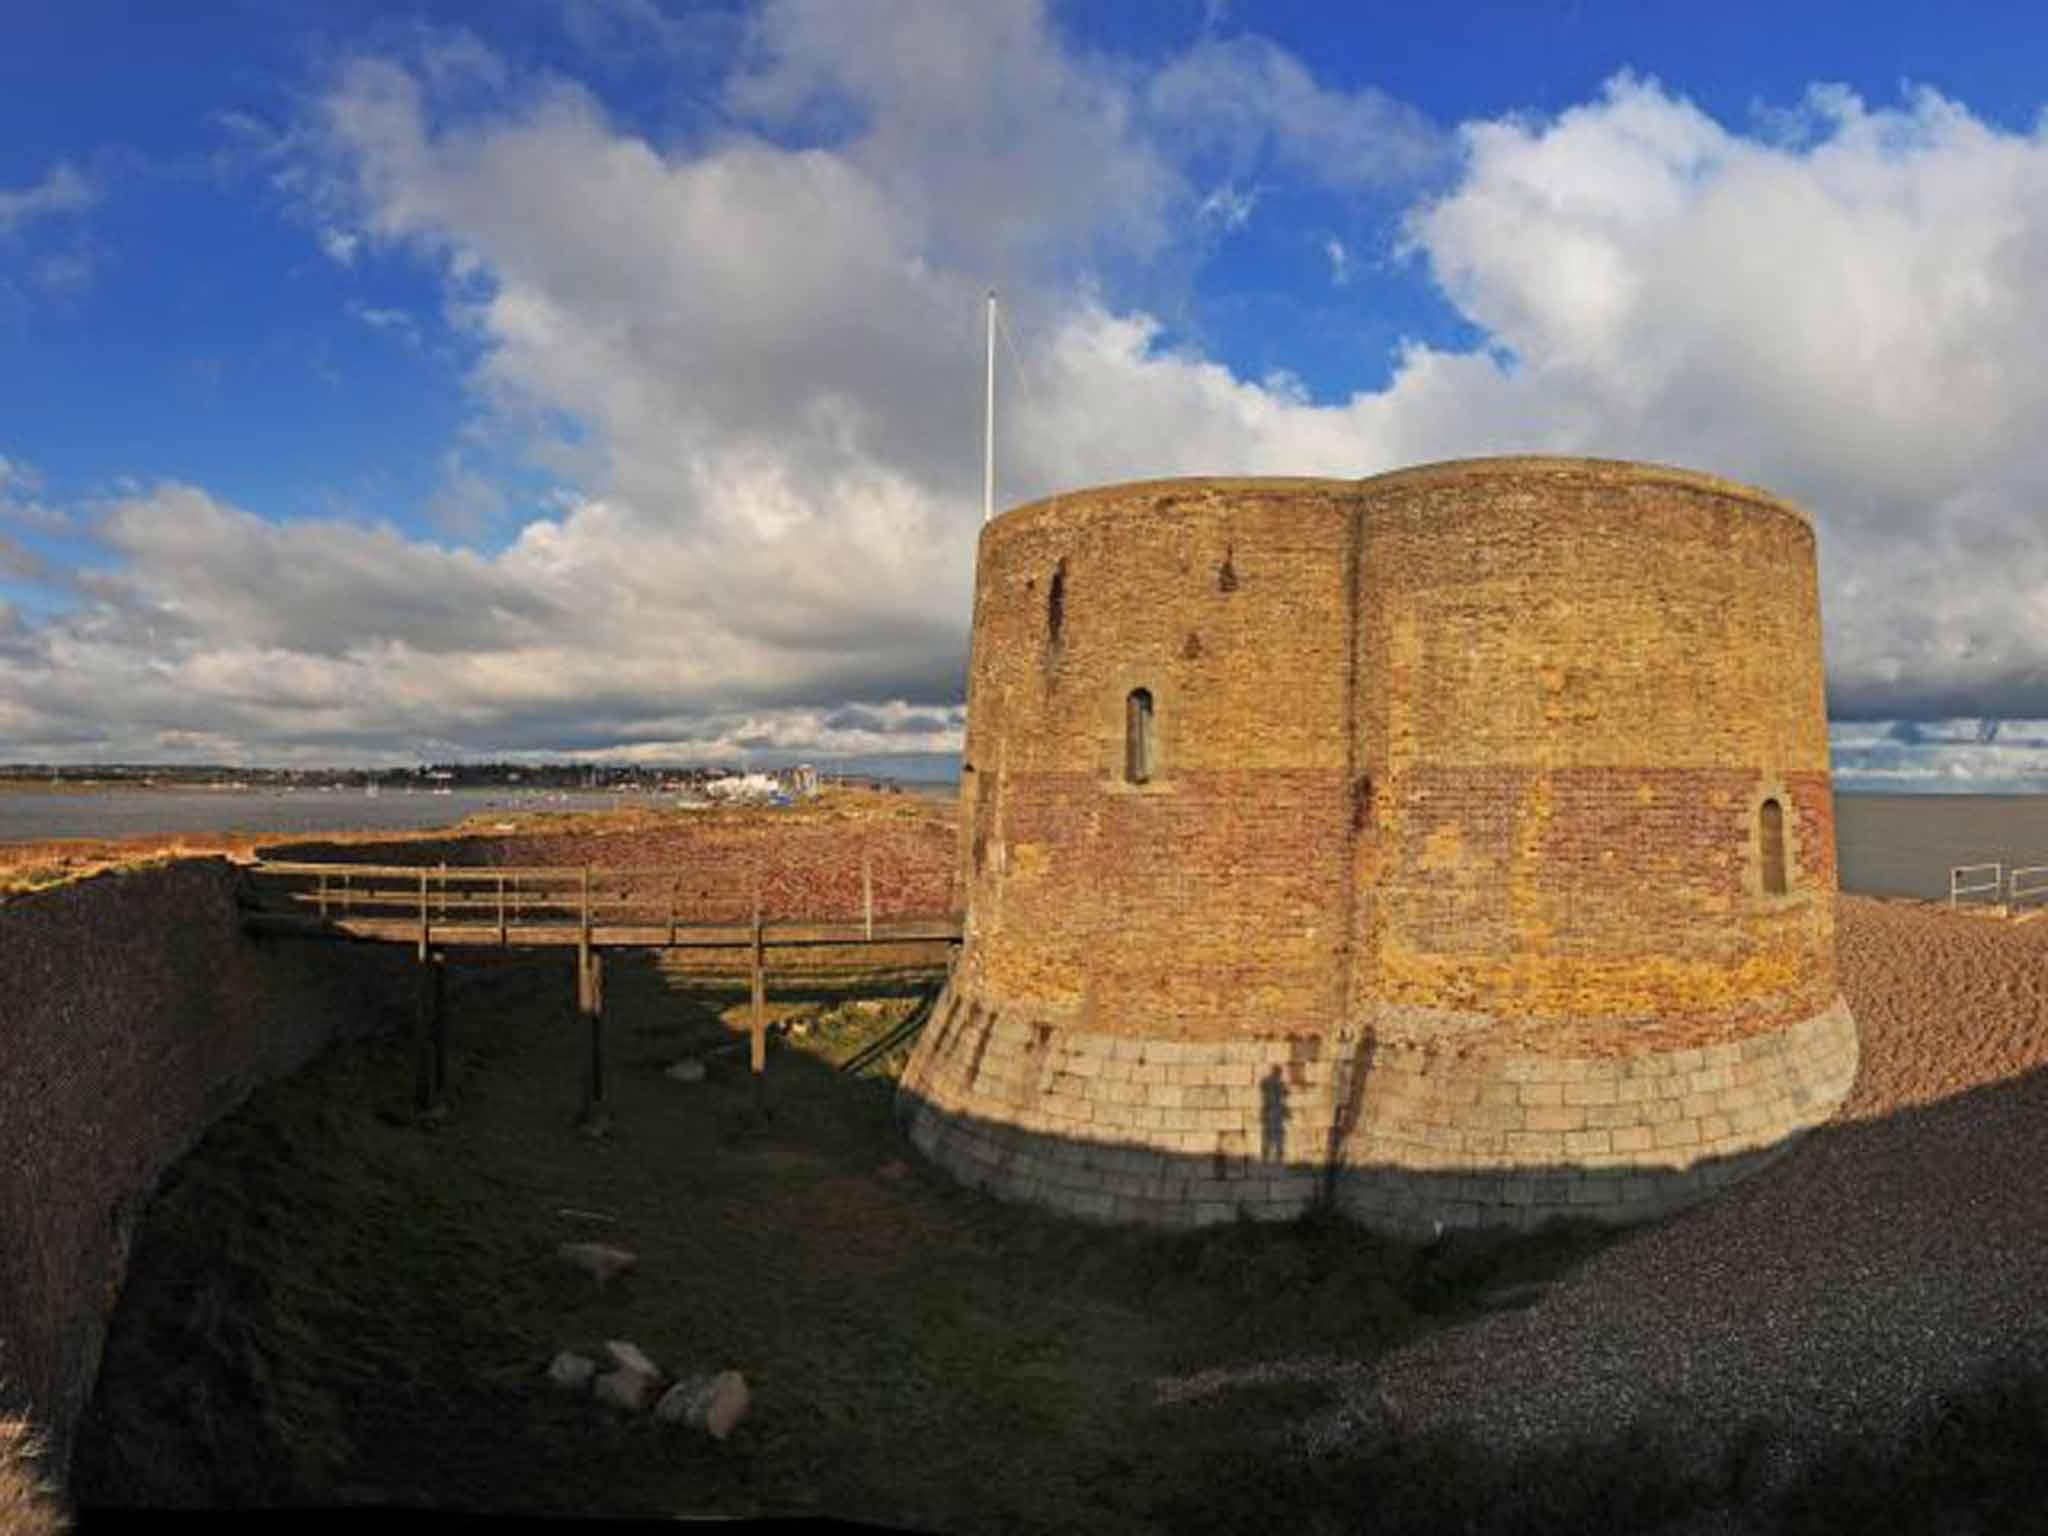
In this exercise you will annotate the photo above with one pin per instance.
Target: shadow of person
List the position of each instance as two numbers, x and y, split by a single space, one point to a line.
1273 1117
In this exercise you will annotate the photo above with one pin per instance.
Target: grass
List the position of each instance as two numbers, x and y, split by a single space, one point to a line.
334 1303
29 1505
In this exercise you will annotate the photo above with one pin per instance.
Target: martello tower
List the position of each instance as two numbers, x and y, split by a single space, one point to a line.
1457 841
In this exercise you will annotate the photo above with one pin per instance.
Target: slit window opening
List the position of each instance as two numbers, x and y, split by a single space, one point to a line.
1138 736
1771 836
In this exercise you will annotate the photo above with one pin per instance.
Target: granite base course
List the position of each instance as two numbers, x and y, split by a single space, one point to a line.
1403 1136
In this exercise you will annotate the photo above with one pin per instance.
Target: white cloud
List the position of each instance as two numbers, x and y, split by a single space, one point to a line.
1227 206
770 357
1342 267
18 560
1245 97
467 501
340 246
393 322
63 189
20 503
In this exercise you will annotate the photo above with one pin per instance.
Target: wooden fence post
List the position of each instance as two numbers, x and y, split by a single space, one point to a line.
423 1013
438 983
867 893
758 1044
590 1007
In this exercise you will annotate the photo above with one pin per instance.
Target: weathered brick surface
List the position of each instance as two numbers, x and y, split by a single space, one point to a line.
133 1013
1454 825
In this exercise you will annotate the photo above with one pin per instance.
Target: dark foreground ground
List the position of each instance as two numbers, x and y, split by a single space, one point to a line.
334 1304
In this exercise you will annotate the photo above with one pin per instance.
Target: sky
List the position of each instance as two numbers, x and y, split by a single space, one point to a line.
602 378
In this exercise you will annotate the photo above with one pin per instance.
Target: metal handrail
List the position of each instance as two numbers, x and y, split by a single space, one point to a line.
1958 873
2017 893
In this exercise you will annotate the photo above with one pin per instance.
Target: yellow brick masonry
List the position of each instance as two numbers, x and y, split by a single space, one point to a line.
1445 895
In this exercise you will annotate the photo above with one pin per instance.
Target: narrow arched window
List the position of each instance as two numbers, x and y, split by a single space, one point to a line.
1056 603
1771 844
1138 736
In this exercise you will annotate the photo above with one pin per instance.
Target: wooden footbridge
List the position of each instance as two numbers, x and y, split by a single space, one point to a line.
438 909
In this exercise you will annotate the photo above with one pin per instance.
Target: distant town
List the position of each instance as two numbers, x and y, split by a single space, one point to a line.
713 783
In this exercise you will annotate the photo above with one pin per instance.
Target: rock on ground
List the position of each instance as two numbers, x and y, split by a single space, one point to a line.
628 1357
598 1260
714 1404
688 1071
623 1389
571 1370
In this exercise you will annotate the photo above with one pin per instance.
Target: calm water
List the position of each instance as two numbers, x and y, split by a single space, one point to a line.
1887 845
1903 845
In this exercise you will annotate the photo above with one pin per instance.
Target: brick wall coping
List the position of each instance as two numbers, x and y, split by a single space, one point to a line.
1085 505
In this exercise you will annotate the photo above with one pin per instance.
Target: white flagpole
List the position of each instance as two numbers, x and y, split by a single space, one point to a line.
988 461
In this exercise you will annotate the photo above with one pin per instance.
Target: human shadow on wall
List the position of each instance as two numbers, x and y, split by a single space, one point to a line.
1273 1117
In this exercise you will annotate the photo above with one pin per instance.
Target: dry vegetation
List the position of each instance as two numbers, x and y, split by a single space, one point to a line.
29 1505
641 835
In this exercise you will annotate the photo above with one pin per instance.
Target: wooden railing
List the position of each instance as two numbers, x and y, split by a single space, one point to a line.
434 908
548 904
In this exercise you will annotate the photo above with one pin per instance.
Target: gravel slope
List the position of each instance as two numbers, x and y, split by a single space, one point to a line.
1898 1253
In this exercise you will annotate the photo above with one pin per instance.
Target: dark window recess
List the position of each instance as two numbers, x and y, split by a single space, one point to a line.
1192 651
1226 573
1138 736
1771 838
1056 603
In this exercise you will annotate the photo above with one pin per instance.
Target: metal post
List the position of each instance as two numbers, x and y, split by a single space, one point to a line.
501 912
323 893
988 461
867 893
423 916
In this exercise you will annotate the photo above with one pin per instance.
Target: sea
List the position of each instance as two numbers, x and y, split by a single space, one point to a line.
1885 845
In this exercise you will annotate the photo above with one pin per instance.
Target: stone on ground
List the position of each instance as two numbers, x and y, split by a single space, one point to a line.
689 1070
571 1370
628 1357
714 1404
600 1261
623 1389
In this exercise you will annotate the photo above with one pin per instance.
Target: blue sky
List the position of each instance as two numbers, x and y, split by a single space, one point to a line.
369 371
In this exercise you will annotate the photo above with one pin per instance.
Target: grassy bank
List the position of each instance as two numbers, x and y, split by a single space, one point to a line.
334 1303
331 1302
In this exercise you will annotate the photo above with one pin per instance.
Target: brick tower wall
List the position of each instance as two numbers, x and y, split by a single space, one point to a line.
1211 896
1446 896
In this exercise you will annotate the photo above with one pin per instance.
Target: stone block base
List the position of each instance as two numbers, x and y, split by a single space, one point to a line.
1406 1135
